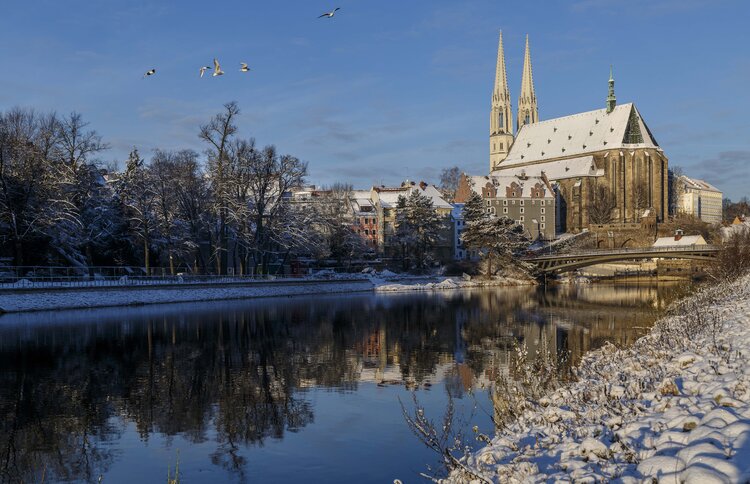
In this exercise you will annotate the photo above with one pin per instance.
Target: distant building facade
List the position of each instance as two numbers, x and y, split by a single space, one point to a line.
699 199
530 201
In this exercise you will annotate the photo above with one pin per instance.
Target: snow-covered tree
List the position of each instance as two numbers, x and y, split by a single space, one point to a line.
602 205
497 238
135 190
417 228
449 179
218 134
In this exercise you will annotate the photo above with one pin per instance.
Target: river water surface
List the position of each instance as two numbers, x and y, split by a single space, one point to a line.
290 389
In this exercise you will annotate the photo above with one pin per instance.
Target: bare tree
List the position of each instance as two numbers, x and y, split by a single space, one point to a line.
218 134
602 205
449 179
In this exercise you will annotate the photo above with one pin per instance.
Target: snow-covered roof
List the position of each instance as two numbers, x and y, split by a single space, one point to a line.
673 241
502 182
389 196
579 134
555 170
695 184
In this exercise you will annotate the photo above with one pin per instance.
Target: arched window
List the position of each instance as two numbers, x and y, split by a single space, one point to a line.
501 120
526 119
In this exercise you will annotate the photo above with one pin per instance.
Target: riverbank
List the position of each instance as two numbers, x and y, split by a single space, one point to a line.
675 406
54 298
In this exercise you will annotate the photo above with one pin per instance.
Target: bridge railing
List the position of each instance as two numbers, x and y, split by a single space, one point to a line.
647 251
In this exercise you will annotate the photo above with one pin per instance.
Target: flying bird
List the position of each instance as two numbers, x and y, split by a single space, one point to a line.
331 13
244 67
149 72
217 69
204 69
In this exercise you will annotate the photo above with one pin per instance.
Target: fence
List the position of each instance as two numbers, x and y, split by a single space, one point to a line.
31 277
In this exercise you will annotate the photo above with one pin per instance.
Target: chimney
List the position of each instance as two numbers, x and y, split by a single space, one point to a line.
678 234
422 185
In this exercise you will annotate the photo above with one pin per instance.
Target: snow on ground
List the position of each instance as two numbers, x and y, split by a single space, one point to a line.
23 298
675 407
449 283
82 298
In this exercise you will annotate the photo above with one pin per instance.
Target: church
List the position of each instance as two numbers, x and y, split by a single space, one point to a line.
604 165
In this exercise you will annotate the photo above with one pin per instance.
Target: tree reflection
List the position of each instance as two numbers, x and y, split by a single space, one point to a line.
237 374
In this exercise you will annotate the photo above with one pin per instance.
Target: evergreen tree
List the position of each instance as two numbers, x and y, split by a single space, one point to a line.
417 227
494 237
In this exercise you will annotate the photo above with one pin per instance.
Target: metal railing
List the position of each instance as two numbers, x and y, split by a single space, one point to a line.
37 277
639 250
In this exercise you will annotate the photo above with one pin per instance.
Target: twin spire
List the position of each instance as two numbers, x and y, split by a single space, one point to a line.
528 111
501 116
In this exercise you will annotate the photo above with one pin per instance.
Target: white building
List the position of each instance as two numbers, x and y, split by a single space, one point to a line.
700 199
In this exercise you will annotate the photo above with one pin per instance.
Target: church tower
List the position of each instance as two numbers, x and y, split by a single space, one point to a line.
501 115
611 99
528 112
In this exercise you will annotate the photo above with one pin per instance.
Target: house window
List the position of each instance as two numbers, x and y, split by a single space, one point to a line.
489 210
521 218
521 203
542 210
542 218
488 203
505 202
542 203
521 209
367 232
374 232
542 226
505 210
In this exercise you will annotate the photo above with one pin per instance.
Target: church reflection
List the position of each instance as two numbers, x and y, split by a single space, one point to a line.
237 374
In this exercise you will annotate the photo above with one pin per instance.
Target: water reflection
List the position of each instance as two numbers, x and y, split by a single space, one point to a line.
226 378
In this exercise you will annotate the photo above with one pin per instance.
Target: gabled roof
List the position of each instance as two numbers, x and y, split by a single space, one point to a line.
684 240
580 134
695 184
389 196
526 183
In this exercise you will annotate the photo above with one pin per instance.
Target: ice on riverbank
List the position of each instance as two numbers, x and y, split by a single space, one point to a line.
675 406
452 283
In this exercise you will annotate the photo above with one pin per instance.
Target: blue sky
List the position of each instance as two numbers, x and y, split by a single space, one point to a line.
388 89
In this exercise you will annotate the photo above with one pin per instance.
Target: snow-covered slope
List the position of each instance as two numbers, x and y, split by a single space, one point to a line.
675 407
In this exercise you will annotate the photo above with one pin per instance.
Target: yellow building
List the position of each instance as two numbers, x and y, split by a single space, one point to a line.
700 199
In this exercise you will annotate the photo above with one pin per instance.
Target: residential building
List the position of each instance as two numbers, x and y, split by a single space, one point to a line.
530 201
385 200
699 199
365 218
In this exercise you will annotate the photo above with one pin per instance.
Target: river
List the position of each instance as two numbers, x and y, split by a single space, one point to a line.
278 390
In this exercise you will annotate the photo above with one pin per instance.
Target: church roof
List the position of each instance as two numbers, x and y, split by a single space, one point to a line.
554 170
580 134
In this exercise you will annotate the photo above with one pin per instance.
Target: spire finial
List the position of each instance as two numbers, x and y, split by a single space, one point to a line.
611 99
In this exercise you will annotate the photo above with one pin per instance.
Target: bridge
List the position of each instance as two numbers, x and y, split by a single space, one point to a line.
576 260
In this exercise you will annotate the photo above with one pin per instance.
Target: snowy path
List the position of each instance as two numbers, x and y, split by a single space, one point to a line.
19 300
675 407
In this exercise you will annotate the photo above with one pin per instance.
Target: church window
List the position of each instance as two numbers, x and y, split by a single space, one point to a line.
494 146
501 147
501 120
526 119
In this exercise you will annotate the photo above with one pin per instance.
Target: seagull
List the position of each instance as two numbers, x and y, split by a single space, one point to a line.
149 72
204 69
331 13
244 67
217 69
